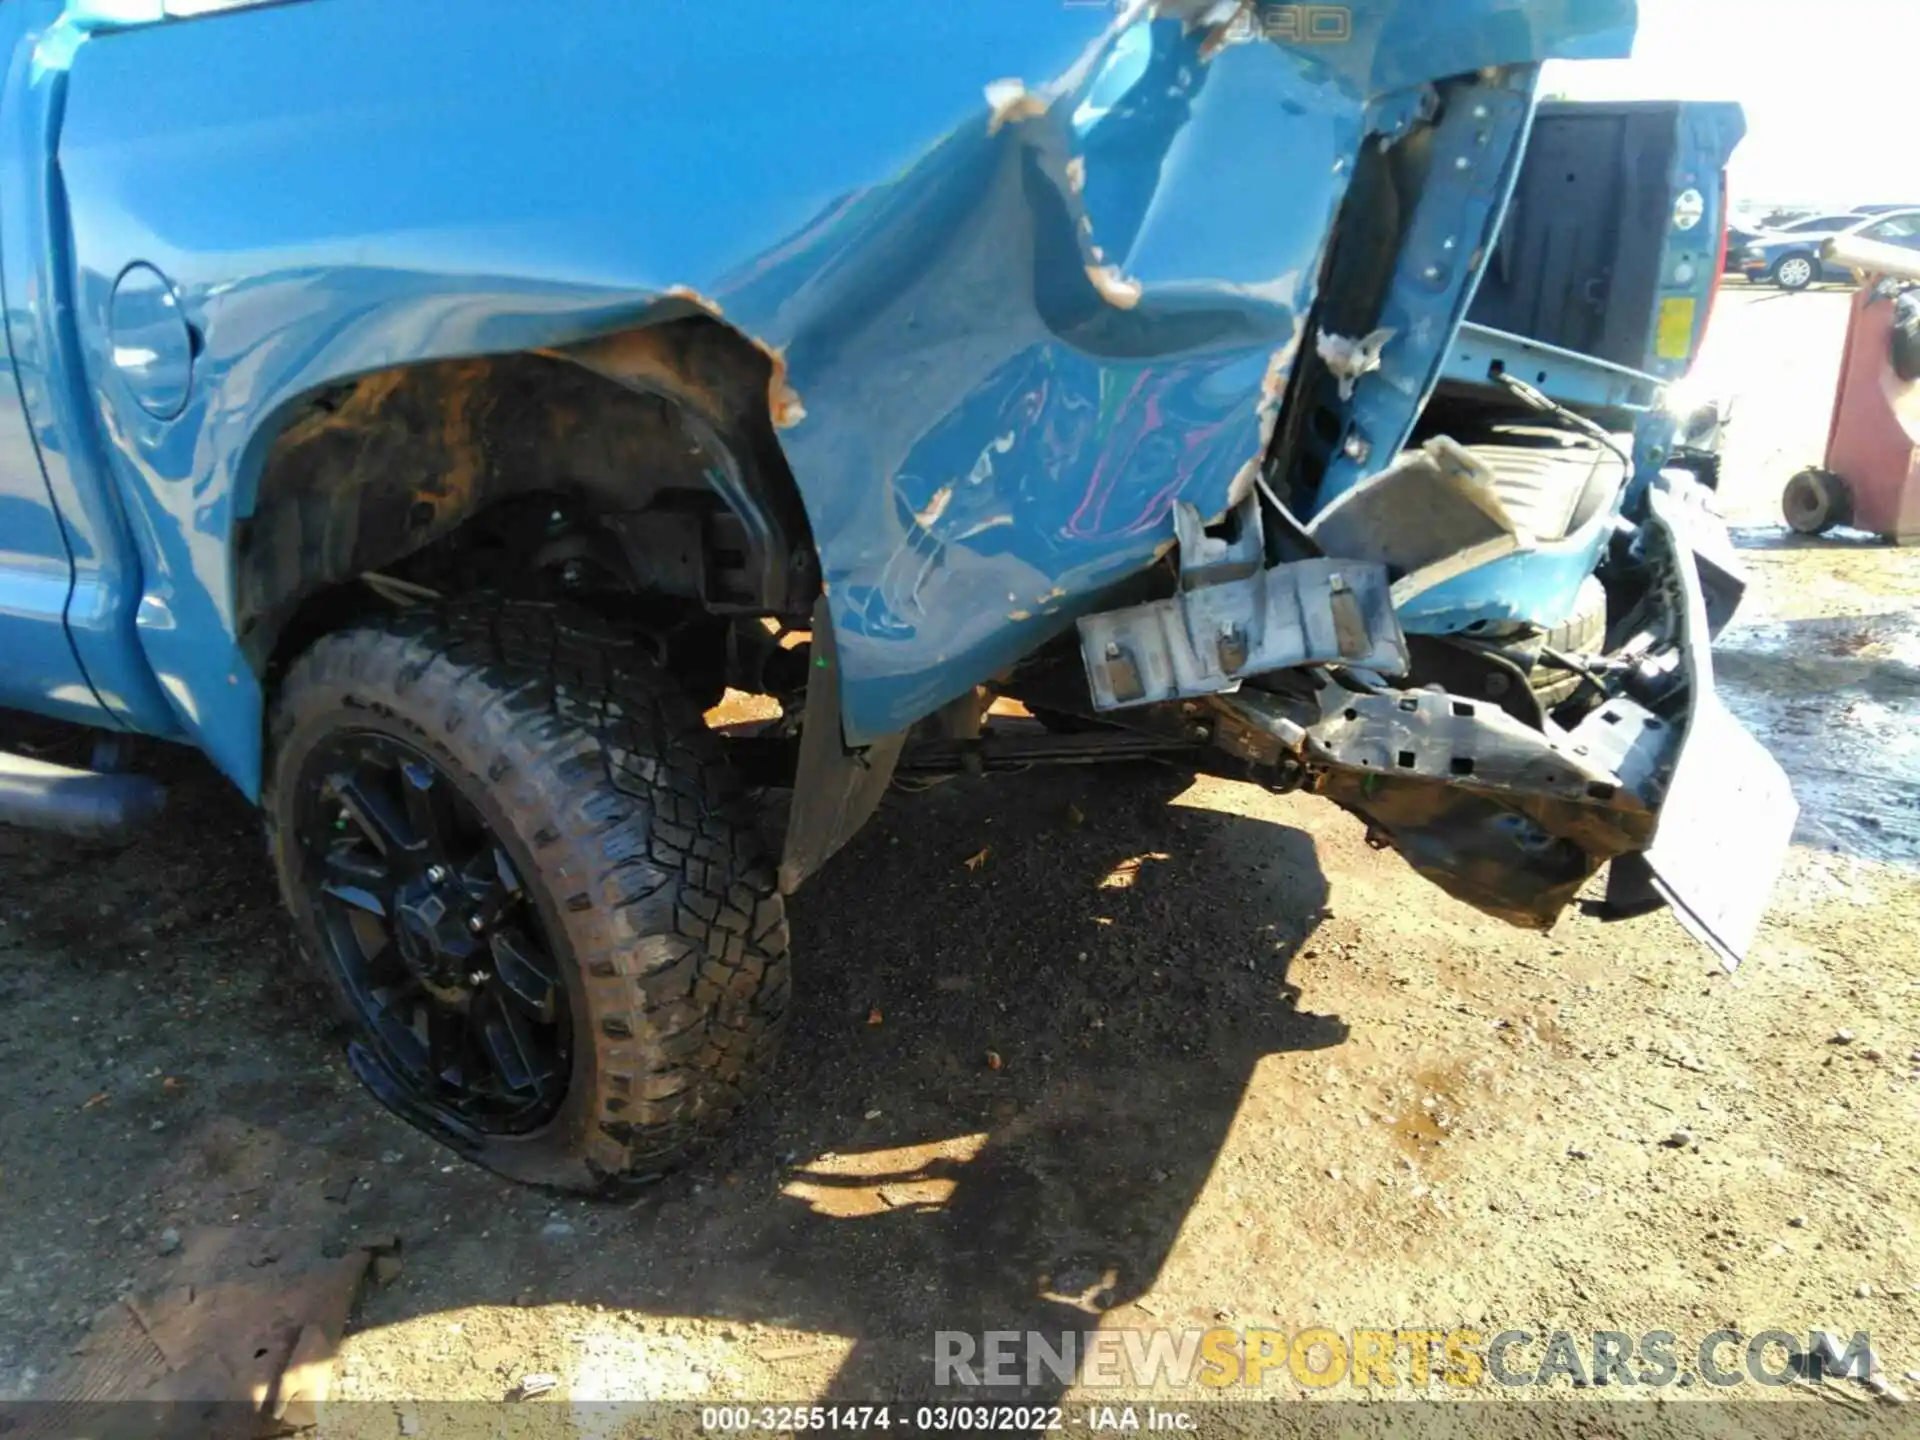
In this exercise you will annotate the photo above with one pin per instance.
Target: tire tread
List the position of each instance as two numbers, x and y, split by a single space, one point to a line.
643 837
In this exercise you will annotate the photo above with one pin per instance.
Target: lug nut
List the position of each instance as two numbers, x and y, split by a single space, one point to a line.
476 924
437 874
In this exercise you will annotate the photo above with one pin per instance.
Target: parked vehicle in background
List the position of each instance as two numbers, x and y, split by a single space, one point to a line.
430 433
1739 239
1793 259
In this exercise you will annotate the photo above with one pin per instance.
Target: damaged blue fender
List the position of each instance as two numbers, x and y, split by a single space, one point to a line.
1038 271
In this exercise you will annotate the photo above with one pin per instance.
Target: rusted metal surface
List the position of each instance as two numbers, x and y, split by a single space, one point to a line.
390 463
1492 811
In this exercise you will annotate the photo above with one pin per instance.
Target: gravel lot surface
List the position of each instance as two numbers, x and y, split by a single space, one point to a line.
1174 1055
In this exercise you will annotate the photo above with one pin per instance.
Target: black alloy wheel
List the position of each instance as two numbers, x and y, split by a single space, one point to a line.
425 920
533 884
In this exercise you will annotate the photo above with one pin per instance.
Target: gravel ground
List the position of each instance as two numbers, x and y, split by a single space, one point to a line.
1176 1054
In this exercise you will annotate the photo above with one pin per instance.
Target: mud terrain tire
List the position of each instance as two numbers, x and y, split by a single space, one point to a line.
632 842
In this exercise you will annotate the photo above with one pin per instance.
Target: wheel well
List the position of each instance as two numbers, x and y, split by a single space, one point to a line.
642 465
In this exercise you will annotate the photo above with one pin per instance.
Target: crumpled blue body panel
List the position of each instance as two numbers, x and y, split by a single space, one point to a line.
1023 319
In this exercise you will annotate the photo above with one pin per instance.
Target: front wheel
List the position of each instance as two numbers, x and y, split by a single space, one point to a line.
533 886
1795 272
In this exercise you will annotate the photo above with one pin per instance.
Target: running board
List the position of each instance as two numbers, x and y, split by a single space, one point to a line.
87 804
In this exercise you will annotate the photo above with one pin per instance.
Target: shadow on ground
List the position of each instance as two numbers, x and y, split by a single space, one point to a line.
1005 1085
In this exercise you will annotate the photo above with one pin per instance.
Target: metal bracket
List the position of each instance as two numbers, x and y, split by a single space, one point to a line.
1510 819
1477 146
1730 811
1474 745
1393 117
1232 619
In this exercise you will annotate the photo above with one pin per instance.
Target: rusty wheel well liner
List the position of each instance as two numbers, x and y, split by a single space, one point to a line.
371 471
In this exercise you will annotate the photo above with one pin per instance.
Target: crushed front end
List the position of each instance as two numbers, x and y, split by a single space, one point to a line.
1448 748
1189 449
1476 614
1506 769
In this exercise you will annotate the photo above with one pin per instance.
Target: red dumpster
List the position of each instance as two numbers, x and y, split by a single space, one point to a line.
1871 478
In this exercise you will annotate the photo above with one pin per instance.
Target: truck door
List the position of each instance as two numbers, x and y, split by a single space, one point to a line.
38 669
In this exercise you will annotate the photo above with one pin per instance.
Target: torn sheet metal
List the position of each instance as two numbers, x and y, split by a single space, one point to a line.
1730 809
1349 359
1477 148
1515 820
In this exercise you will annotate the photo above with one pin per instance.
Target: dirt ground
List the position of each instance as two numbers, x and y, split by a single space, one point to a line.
1174 1054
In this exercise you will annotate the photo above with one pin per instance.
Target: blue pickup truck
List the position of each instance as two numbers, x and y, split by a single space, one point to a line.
428 411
